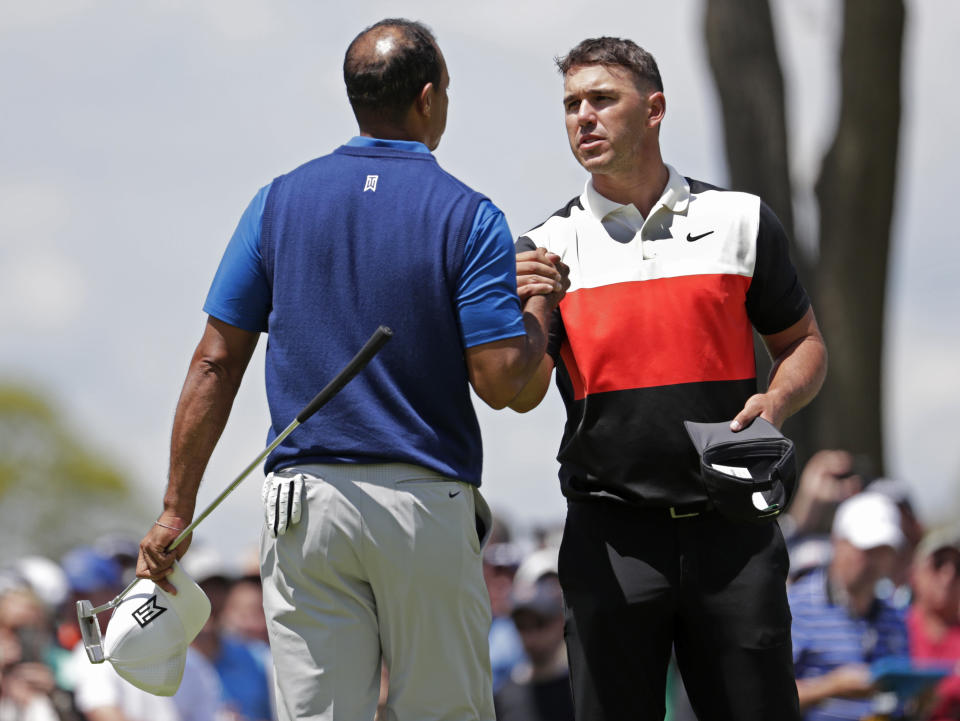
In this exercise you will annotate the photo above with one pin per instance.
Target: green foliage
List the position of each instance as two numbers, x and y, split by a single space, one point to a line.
55 490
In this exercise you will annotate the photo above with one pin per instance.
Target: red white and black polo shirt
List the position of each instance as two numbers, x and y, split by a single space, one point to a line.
656 329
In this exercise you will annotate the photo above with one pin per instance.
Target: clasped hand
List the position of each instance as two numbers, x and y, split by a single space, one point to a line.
540 272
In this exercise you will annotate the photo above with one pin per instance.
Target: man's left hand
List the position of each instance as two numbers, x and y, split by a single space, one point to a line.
154 561
770 406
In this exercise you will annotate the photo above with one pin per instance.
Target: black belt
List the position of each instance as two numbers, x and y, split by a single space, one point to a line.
680 510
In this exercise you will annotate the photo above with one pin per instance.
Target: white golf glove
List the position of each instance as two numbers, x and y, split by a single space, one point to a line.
281 502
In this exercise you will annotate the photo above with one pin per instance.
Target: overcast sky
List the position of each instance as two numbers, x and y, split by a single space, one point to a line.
134 134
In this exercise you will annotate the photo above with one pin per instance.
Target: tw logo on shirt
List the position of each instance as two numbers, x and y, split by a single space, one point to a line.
371 183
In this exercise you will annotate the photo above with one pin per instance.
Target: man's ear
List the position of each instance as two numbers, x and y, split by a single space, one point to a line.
658 108
425 100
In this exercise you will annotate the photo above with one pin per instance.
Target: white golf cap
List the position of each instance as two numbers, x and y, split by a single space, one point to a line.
869 520
148 634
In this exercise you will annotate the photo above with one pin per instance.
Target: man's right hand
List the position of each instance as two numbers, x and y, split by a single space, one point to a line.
540 272
154 561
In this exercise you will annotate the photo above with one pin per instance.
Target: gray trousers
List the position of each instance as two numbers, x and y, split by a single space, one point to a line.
384 563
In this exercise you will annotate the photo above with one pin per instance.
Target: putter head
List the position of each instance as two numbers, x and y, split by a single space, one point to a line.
90 631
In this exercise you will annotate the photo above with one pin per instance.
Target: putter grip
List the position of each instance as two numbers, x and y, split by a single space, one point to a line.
363 356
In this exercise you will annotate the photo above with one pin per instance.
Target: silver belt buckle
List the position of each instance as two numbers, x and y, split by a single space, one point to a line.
674 514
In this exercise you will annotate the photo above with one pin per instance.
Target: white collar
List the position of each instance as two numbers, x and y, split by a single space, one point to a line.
675 197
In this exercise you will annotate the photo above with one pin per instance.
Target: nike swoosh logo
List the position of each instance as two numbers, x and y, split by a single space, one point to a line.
453 494
691 238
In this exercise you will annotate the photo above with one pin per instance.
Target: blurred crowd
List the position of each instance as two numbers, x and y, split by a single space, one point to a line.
875 598
44 671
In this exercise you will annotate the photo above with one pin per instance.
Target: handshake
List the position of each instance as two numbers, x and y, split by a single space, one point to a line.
540 272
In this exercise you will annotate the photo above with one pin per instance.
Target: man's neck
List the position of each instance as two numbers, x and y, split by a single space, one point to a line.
641 187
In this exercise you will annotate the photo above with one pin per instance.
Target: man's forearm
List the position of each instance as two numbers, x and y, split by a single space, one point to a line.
536 321
798 373
799 367
216 369
536 386
202 411
500 370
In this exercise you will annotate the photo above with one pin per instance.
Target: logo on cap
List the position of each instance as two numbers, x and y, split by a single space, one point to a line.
148 612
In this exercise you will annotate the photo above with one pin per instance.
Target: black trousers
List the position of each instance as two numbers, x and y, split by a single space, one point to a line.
637 582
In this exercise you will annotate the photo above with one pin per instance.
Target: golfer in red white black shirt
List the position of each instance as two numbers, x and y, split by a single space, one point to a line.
668 278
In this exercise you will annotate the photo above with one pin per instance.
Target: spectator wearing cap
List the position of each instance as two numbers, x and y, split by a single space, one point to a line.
830 477
121 548
45 581
933 619
26 683
89 575
538 690
808 555
839 625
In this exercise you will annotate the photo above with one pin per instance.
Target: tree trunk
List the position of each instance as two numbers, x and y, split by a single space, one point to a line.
855 192
743 56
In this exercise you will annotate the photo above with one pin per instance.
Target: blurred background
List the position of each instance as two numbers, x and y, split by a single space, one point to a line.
132 136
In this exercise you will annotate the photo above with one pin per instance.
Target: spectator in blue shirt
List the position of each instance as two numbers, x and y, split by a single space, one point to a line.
839 625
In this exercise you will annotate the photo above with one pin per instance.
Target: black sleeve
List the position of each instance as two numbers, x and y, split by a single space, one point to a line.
524 244
776 299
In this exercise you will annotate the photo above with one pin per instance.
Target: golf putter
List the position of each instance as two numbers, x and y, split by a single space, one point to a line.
87 613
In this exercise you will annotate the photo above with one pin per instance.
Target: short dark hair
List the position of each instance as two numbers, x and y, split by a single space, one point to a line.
614 51
385 86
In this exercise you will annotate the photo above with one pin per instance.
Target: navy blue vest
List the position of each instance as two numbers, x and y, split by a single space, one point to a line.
363 237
